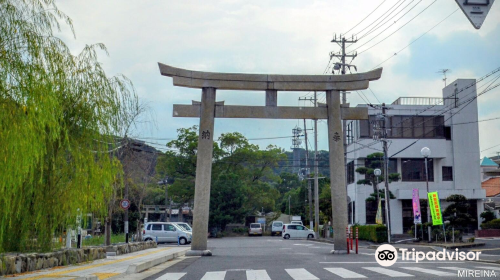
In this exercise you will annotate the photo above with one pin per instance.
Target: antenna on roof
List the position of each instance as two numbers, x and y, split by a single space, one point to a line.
443 71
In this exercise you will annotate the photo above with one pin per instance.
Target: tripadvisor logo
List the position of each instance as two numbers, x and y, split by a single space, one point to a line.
387 255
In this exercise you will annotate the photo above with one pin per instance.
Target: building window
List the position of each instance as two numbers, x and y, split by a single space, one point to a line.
413 169
407 127
379 163
350 172
447 132
447 173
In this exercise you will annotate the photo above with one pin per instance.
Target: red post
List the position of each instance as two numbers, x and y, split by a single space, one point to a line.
357 240
347 238
351 235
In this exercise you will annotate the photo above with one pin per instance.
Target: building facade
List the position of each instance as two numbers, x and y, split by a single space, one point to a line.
447 126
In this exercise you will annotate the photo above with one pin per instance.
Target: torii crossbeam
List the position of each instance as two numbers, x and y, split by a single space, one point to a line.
208 109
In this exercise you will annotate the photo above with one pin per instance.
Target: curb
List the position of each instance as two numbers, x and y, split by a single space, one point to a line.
87 277
140 267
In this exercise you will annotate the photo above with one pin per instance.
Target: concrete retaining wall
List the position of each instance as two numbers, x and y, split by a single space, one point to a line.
488 233
19 263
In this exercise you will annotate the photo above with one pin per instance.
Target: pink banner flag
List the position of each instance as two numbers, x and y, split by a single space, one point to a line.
417 215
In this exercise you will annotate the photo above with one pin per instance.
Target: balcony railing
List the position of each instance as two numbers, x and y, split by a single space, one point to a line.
419 101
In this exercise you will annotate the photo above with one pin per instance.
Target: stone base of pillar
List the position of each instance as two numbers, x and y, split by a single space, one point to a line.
198 253
338 252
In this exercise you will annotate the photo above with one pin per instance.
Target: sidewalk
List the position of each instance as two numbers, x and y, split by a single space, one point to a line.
103 269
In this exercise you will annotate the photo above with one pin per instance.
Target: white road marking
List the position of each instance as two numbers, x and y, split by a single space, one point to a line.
430 271
489 267
345 273
171 276
300 274
257 275
285 248
214 275
317 247
453 268
388 272
303 244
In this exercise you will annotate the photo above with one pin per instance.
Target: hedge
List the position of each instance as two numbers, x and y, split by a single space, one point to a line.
375 233
493 224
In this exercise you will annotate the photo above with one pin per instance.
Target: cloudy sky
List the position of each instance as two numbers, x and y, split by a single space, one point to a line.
286 37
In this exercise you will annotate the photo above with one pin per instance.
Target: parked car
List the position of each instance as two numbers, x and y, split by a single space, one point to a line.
296 223
165 232
296 231
255 229
184 226
276 228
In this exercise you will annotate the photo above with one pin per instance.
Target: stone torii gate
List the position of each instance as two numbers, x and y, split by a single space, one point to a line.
208 109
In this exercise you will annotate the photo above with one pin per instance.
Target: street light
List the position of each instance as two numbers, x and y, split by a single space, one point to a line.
426 152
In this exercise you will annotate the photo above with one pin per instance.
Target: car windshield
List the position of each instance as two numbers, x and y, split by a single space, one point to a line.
255 226
278 224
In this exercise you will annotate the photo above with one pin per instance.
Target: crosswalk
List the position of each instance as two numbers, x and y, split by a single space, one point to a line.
340 272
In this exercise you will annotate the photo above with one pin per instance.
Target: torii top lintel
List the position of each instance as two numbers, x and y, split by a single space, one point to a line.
238 81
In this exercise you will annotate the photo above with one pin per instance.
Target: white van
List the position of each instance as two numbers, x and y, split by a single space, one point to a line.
276 228
296 231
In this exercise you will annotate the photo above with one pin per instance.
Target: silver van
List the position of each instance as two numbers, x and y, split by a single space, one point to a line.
165 232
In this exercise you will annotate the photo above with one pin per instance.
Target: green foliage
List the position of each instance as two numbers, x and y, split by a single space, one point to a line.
373 196
375 160
493 224
58 113
488 216
243 177
240 230
375 233
226 199
457 212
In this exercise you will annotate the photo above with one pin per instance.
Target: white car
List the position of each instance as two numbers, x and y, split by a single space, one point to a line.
276 228
296 231
165 232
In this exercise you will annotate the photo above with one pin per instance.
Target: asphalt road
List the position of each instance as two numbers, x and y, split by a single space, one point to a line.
274 258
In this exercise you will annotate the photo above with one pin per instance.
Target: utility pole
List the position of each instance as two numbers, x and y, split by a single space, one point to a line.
342 41
386 173
309 194
316 185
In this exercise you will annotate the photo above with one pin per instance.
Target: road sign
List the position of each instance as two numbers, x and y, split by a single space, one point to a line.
125 204
475 10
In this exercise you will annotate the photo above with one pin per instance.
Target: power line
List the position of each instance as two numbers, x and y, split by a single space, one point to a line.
379 17
416 39
396 29
365 17
394 22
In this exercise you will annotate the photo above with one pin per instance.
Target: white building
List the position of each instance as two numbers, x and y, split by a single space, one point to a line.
447 126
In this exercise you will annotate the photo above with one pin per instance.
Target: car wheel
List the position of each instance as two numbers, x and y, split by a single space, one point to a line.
182 241
310 236
149 239
287 236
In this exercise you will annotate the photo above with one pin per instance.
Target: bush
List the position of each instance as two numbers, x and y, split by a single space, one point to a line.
240 230
488 216
375 233
493 224
436 230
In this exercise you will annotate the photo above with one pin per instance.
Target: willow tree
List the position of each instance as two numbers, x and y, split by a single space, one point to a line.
58 113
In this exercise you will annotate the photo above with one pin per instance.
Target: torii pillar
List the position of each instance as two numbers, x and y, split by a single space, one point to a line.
208 109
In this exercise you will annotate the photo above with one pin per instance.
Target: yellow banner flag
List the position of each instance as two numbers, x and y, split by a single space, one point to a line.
378 218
